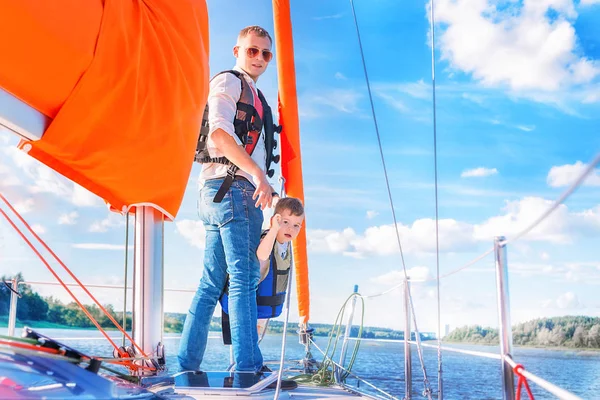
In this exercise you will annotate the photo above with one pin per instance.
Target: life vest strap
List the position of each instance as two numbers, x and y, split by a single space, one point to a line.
225 327
226 183
270 301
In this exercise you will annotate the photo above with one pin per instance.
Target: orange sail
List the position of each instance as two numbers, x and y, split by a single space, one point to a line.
125 83
291 163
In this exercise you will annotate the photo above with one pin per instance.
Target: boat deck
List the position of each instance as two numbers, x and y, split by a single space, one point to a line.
231 385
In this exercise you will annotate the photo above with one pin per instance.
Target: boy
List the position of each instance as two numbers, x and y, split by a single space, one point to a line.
274 253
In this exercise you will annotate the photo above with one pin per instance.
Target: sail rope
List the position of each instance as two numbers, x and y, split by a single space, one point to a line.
325 374
428 390
121 352
27 346
522 382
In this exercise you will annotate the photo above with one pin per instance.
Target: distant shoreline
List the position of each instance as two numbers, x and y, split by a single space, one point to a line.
531 346
50 325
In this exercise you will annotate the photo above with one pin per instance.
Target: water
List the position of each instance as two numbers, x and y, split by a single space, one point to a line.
382 363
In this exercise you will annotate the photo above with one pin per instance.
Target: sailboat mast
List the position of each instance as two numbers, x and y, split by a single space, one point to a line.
148 278
291 162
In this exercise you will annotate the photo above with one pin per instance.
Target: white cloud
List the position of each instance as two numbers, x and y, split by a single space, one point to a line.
565 175
589 2
526 128
372 214
418 90
344 100
392 278
99 246
10 181
565 301
325 17
394 102
326 100
45 180
39 229
25 206
322 240
382 240
581 272
68 219
561 227
519 214
545 256
513 44
532 269
473 98
192 231
84 198
112 221
478 172
587 273
340 76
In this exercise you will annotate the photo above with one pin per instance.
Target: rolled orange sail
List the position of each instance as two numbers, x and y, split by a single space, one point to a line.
291 163
125 82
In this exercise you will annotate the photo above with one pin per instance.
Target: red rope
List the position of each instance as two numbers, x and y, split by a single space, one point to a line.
117 325
28 346
522 382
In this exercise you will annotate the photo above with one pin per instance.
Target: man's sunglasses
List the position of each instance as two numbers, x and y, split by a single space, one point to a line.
252 52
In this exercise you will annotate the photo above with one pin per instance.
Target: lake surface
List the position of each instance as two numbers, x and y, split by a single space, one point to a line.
382 363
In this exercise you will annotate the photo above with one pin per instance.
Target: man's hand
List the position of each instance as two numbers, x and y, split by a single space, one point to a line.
263 192
275 200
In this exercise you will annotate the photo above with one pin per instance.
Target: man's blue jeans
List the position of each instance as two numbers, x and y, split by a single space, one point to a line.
232 236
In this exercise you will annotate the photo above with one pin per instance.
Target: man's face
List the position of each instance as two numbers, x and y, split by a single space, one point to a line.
251 52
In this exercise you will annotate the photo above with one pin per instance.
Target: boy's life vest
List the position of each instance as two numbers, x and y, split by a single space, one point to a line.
270 294
248 125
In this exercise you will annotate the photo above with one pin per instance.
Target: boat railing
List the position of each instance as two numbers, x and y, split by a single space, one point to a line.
510 365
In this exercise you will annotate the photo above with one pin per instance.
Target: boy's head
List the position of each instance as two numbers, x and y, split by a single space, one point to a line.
253 50
292 216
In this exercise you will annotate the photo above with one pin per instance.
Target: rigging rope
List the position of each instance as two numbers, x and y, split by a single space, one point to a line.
389 191
522 382
437 235
64 285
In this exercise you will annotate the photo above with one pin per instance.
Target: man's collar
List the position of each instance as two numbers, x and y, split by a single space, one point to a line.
248 77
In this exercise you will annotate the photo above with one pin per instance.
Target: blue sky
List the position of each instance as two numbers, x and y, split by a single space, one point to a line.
518 99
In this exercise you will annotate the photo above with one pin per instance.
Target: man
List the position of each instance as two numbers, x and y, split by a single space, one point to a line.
234 191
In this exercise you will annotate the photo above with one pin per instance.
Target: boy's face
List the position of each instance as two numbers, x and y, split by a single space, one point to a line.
289 227
251 51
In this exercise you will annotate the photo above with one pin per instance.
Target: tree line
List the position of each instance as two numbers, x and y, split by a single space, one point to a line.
32 308
569 331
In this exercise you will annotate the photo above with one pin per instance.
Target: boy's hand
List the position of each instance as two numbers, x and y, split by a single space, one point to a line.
275 221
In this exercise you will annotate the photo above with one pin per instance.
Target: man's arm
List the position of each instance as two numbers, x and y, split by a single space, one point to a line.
237 155
225 90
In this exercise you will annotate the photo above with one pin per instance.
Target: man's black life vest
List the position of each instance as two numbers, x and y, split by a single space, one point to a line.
248 125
